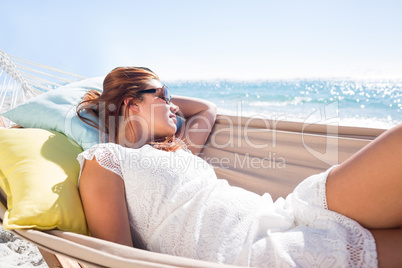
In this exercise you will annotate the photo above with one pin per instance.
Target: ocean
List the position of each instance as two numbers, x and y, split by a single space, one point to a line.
345 102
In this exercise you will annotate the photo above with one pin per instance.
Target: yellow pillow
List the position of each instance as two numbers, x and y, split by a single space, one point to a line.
39 173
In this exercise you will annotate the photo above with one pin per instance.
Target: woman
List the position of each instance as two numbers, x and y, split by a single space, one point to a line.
162 197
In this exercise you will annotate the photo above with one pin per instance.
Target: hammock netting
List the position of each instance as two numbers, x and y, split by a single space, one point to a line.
22 79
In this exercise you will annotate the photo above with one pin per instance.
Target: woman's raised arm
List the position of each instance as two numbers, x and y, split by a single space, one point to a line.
200 117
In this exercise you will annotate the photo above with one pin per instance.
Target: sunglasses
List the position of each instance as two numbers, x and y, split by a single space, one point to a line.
163 93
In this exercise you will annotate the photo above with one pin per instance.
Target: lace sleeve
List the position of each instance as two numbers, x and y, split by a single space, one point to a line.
105 155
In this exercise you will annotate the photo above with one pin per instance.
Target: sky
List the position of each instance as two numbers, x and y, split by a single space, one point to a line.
209 39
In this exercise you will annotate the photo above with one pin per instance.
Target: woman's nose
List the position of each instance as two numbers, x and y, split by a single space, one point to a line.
174 108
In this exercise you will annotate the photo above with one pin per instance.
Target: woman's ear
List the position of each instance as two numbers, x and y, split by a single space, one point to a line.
130 104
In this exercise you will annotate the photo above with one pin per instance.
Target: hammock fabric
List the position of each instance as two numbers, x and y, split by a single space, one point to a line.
21 80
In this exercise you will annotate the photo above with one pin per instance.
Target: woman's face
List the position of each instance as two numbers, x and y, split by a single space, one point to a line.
158 115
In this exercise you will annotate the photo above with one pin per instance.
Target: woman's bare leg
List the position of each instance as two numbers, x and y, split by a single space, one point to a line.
368 188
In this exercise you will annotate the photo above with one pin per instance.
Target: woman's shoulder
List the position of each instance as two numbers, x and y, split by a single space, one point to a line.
98 150
102 147
106 154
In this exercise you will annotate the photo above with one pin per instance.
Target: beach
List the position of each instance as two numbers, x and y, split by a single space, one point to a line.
16 252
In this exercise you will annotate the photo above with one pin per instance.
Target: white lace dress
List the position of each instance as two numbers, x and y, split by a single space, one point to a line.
177 206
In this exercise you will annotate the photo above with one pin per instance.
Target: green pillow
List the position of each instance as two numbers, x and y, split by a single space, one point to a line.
55 110
39 173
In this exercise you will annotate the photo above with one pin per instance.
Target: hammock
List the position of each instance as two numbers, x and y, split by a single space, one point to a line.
307 148
22 79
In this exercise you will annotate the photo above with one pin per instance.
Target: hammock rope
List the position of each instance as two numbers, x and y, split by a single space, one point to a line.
22 79
24 61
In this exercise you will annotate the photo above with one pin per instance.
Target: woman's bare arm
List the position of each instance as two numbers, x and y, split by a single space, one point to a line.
200 117
103 198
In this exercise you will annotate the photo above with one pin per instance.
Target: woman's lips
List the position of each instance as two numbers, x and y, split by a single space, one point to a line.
173 116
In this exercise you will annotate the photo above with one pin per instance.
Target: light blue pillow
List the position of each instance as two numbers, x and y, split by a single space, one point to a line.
56 110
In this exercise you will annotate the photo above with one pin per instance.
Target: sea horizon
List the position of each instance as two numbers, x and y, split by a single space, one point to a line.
343 101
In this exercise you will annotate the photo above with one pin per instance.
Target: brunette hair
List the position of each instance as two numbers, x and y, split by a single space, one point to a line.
121 83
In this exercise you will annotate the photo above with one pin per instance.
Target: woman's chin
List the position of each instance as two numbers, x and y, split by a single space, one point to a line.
174 119
174 129
173 125
169 131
